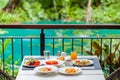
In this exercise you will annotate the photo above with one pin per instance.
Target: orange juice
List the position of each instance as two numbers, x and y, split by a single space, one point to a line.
73 55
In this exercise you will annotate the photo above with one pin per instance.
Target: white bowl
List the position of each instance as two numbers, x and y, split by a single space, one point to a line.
53 69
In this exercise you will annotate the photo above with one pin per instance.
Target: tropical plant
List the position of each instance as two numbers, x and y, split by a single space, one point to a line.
103 11
6 62
108 57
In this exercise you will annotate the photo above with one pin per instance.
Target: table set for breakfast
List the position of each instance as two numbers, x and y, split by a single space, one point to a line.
55 68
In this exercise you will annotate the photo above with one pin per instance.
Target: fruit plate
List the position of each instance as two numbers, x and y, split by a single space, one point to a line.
69 70
54 62
83 62
31 64
45 69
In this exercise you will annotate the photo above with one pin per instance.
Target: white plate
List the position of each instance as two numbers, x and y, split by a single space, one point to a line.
53 69
62 70
59 62
31 66
88 64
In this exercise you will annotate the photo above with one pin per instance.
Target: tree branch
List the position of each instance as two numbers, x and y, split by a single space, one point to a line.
89 9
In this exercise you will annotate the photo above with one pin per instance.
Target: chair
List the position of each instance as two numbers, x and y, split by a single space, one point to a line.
114 75
4 76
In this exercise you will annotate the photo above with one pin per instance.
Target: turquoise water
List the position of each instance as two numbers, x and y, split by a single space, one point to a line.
50 32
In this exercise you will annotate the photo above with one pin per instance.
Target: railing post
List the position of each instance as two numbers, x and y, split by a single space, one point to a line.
42 42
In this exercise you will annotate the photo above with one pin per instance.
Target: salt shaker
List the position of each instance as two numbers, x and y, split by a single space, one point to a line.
63 54
58 53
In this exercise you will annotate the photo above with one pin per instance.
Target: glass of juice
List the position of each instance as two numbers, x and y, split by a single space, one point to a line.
73 55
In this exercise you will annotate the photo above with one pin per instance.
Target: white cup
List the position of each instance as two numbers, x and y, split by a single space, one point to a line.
68 62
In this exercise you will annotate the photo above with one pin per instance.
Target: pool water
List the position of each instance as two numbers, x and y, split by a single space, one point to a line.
50 32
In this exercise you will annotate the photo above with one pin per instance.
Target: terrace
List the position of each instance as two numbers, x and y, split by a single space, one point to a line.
106 61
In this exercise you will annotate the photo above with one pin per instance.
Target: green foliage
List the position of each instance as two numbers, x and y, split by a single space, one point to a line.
34 10
6 42
108 2
8 60
104 11
7 18
110 14
3 3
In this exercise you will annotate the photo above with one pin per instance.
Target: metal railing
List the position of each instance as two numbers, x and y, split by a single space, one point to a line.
61 41
42 45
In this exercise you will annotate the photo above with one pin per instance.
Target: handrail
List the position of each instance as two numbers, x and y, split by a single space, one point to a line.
61 26
77 37
17 37
58 26
56 37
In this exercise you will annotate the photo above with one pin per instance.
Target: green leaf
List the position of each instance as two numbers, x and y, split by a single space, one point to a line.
3 3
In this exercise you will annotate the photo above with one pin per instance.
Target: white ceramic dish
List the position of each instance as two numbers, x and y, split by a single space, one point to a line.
90 62
38 69
59 62
62 70
31 66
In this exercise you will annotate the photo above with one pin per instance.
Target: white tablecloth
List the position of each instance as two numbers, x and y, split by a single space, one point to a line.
84 75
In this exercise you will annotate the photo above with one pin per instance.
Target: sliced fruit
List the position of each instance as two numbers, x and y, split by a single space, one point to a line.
51 62
37 63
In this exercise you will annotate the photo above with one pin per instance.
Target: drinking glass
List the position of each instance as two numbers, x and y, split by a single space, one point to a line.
46 54
73 55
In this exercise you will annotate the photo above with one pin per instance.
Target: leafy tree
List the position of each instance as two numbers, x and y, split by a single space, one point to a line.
103 11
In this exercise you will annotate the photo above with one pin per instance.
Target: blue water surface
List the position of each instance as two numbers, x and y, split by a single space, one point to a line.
36 43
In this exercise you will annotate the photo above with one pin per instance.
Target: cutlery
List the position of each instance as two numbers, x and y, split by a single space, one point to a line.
87 68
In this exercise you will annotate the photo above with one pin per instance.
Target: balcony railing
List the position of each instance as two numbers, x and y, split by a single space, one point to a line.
62 41
10 61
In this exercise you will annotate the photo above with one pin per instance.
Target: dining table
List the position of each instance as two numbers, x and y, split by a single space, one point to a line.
91 72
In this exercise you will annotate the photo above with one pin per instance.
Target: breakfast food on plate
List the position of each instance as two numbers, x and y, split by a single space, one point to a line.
61 58
32 62
82 62
52 62
70 70
45 69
